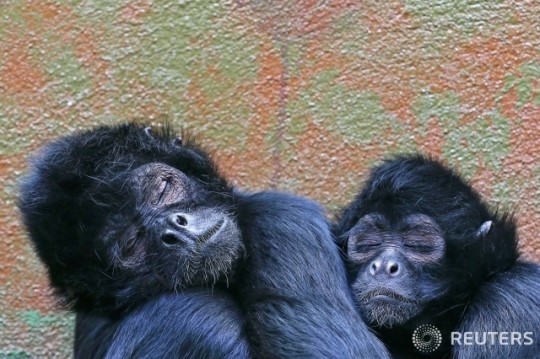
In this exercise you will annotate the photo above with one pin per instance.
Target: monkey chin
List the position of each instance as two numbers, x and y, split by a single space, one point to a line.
213 262
383 311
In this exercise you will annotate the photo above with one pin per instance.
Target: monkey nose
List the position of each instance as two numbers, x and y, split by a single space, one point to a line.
389 267
196 226
176 229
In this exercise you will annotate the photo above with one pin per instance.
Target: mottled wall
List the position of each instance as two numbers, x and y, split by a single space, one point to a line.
296 95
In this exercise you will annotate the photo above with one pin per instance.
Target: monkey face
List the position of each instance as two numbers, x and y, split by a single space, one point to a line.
395 261
173 232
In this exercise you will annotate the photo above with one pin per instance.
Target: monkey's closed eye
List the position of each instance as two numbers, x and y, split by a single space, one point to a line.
160 184
165 186
419 244
367 243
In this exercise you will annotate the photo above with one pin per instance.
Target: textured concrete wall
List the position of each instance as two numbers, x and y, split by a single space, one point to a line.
296 95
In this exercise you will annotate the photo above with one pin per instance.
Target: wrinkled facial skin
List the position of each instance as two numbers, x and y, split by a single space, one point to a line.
395 266
175 235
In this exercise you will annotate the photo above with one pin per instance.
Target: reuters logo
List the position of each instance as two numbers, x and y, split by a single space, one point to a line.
426 338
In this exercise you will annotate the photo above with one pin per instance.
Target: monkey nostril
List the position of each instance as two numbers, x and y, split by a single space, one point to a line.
393 269
169 239
373 268
181 221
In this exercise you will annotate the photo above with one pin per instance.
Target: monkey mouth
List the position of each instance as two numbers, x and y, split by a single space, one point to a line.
212 232
384 293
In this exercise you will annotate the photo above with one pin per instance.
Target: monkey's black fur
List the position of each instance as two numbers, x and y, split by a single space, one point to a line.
508 302
98 207
295 292
478 285
191 324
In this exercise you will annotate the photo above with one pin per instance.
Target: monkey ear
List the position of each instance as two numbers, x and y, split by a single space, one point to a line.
484 229
148 131
177 141
496 245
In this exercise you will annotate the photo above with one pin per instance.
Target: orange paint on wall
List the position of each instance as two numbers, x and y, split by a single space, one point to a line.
329 165
477 69
269 86
19 74
294 19
134 11
433 141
